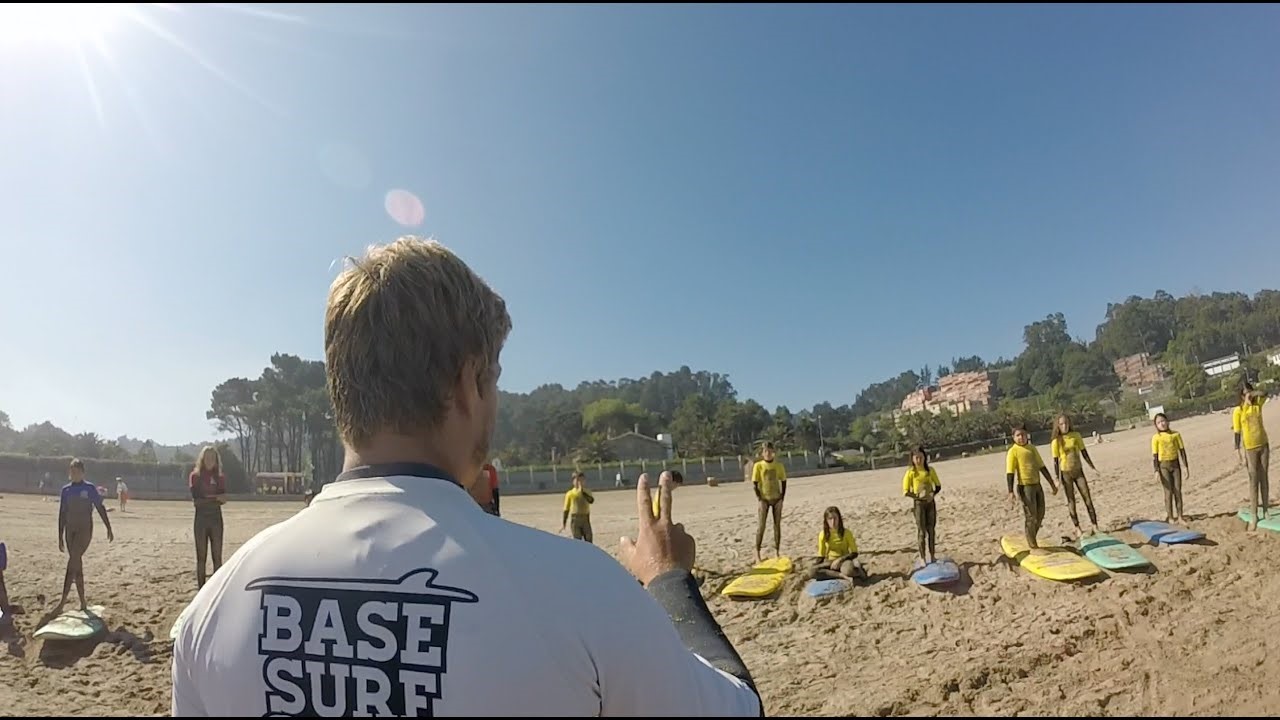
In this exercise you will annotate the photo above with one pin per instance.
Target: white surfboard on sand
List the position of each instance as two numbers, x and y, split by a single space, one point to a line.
74 625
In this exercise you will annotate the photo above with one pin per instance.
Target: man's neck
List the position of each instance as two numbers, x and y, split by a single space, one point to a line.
393 449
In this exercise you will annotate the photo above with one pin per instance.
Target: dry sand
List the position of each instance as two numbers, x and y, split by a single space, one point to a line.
1195 637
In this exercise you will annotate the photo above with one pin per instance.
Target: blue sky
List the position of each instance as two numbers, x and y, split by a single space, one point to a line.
808 199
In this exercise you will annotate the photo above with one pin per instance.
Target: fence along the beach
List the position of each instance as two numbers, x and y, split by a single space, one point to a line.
24 474
166 481
603 475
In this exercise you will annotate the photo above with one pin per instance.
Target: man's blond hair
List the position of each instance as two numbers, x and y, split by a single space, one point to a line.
400 324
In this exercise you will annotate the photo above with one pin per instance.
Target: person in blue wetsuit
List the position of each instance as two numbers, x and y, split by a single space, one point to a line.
75 527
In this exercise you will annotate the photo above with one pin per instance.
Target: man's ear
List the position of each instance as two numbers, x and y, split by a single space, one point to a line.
486 375
467 390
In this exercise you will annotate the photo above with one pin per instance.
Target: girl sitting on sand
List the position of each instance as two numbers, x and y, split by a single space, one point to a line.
1067 448
837 550
921 484
1169 455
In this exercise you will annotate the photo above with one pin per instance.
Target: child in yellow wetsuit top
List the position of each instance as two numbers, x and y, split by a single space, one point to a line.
1251 436
1169 455
921 484
1067 449
837 550
1024 465
577 509
769 480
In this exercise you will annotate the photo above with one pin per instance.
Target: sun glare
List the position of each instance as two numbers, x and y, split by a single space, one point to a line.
59 23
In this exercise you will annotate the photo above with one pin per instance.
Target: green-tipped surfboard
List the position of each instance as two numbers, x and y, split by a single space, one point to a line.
1111 553
1270 522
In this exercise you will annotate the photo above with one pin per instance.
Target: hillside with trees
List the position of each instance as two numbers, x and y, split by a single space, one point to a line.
282 420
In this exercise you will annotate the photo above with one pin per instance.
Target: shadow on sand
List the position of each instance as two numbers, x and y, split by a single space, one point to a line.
66 653
140 647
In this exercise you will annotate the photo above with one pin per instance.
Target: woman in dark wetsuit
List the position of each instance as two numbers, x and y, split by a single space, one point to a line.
75 527
208 493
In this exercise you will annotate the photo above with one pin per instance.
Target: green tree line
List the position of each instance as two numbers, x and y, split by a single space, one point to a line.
282 420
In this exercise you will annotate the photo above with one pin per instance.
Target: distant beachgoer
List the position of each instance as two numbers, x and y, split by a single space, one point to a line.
677 480
1169 456
75 527
208 494
577 509
4 592
837 550
1024 466
122 493
1251 437
491 480
1067 448
921 484
769 480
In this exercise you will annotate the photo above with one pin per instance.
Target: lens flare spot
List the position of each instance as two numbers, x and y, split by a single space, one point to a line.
405 208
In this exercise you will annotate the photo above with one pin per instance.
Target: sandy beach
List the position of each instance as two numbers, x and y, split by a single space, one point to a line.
1193 637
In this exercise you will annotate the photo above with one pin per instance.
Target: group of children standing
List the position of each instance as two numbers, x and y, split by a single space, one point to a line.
1024 468
837 556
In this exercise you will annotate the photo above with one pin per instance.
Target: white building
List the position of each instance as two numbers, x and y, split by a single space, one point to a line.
1221 365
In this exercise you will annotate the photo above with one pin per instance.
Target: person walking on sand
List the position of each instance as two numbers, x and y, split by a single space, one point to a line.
1067 448
577 509
208 495
1025 467
1169 456
122 493
769 480
75 527
1253 448
921 484
5 615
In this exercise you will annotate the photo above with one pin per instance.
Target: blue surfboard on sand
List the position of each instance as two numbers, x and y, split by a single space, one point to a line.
940 572
1164 533
824 588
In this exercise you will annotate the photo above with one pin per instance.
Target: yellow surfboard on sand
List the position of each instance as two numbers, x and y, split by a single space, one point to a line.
762 580
1050 563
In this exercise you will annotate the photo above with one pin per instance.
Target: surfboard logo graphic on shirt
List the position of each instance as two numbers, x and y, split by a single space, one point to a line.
343 647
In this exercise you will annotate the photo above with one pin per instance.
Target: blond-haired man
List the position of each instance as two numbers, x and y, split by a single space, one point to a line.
395 594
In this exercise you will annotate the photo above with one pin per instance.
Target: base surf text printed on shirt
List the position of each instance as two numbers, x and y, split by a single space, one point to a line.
341 647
